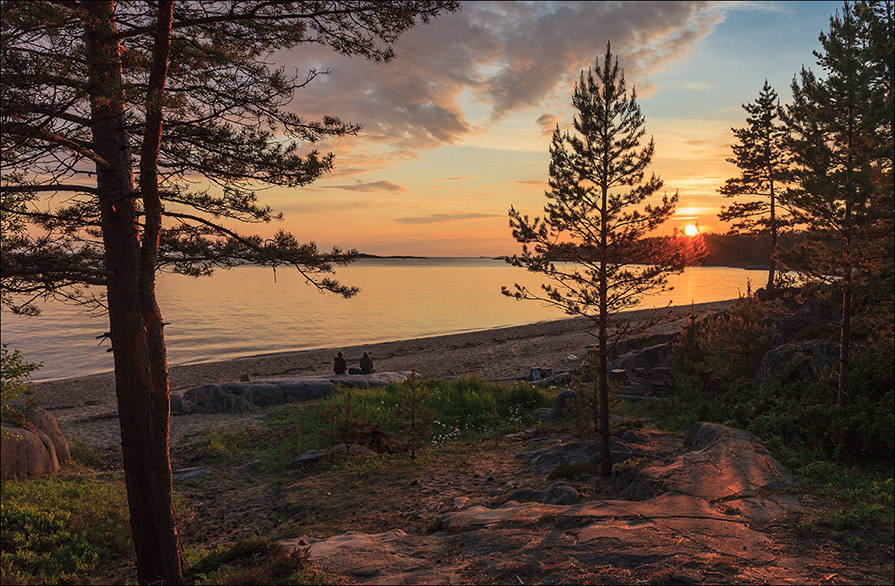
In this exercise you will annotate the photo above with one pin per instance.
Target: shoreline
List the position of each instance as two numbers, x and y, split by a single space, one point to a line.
495 353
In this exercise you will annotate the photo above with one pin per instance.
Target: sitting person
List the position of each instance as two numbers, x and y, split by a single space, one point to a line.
366 364
339 364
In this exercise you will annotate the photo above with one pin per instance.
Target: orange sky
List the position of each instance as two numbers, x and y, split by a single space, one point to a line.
456 128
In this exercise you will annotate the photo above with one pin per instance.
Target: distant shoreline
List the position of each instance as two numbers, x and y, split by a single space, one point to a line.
752 265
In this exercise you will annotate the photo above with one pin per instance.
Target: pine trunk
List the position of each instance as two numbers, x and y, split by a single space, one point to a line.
142 394
773 263
605 456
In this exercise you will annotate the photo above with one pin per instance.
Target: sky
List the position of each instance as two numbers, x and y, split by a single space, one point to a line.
456 128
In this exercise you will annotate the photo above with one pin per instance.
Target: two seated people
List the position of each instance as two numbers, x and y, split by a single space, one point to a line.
340 365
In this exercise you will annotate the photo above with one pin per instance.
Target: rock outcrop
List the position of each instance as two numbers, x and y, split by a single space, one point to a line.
699 521
574 452
723 463
35 448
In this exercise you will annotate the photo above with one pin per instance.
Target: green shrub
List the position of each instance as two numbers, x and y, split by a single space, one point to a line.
13 371
715 368
60 529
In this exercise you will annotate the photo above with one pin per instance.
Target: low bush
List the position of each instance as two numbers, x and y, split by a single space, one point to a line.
60 529
716 362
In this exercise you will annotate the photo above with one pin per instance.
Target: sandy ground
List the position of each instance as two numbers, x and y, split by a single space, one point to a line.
86 406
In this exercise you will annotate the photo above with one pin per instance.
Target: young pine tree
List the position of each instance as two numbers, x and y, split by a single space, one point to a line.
414 417
593 220
761 158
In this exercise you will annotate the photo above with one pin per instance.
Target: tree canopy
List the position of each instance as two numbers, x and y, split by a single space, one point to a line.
761 157
593 219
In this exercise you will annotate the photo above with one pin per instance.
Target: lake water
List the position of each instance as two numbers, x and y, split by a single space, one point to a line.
244 312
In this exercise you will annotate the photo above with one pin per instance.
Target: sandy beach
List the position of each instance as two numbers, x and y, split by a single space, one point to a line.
86 408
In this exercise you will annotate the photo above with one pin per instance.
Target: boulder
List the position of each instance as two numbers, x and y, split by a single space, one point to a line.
798 360
176 404
44 421
312 456
658 355
264 394
223 397
564 402
558 493
723 463
26 452
307 390
188 474
211 398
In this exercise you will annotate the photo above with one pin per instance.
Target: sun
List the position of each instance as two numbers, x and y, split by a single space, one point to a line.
691 230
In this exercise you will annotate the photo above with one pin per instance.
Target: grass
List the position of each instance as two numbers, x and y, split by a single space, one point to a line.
59 529
467 408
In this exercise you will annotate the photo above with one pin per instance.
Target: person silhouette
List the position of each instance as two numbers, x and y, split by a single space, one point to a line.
366 364
339 364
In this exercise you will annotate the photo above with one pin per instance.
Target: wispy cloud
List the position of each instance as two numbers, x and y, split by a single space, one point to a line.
531 182
463 178
370 186
438 218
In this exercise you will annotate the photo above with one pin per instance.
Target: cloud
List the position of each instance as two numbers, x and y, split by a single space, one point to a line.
463 178
548 123
371 186
508 56
531 182
438 218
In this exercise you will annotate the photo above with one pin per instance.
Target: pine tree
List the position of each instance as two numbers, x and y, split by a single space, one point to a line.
841 147
592 221
761 158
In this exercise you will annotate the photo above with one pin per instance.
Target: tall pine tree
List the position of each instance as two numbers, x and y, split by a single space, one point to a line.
761 157
594 223
841 146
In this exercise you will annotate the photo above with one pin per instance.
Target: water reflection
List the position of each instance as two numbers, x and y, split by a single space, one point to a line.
244 312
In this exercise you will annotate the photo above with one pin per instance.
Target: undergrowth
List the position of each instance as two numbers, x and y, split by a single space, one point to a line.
843 454
59 529
463 409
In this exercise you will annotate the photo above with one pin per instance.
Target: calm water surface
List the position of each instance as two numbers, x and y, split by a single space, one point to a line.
243 312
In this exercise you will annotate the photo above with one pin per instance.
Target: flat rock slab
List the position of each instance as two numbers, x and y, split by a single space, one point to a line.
392 557
226 397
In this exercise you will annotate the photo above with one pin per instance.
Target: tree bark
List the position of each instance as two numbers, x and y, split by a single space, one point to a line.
142 411
605 455
773 264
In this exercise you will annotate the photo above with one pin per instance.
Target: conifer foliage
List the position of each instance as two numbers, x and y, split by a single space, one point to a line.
761 157
840 141
596 218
